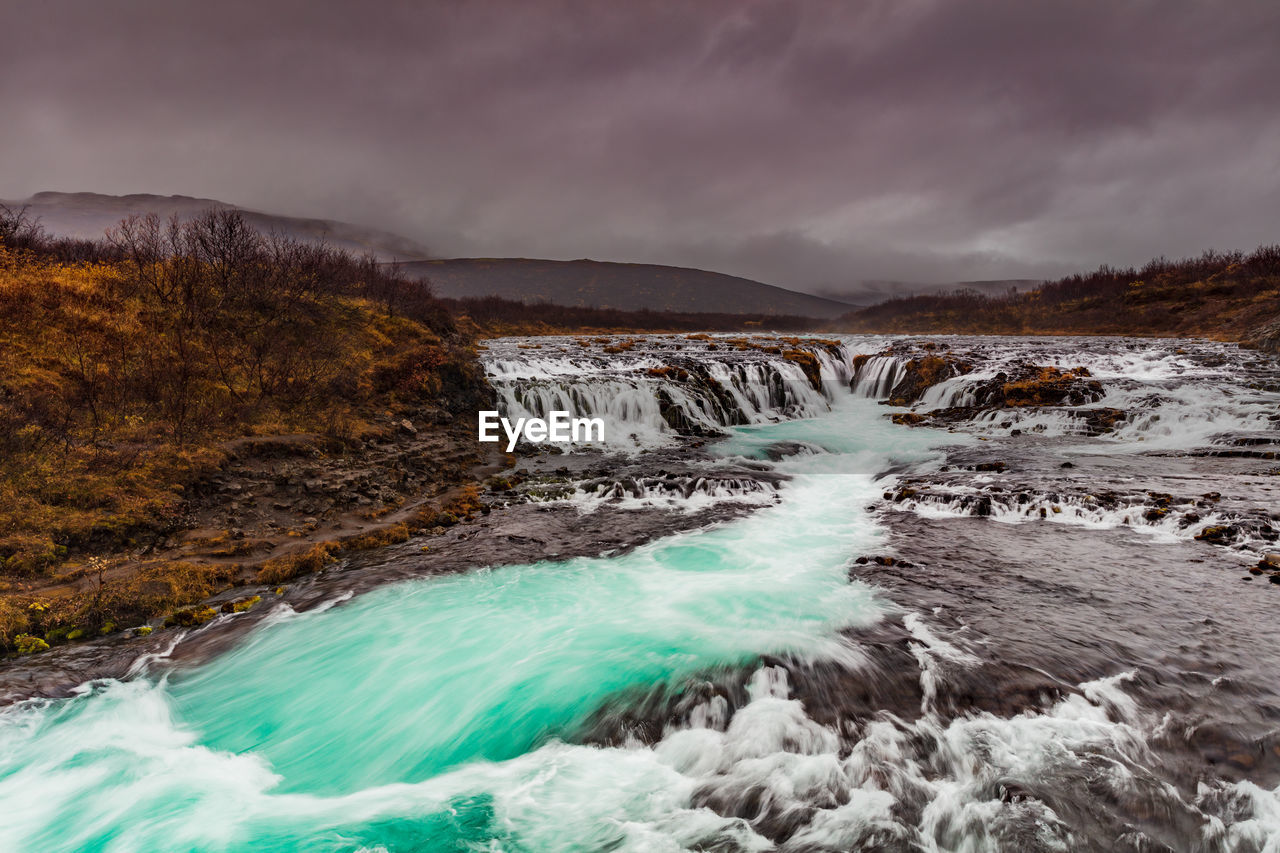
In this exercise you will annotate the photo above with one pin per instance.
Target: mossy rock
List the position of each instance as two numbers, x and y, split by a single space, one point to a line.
1218 535
29 644
241 605
190 618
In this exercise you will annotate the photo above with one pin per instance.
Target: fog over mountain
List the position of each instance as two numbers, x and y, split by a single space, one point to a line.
89 216
810 145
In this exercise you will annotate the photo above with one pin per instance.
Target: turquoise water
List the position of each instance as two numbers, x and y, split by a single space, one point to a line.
438 714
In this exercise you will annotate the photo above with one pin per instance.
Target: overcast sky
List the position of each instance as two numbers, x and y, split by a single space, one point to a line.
807 144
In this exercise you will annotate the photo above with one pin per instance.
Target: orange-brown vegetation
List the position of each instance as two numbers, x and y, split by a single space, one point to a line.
808 363
127 365
922 373
1224 295
1048 388
495 317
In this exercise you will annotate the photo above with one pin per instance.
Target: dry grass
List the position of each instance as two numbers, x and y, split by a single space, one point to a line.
122 382
290 566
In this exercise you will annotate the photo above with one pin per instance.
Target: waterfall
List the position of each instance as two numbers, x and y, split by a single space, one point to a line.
649 394
876 377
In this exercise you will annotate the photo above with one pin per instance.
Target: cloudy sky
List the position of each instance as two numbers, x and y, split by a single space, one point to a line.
808 144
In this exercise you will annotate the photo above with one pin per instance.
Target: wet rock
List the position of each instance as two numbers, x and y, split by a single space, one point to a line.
920 374
1266 337
1223 534
1102 420
1052 386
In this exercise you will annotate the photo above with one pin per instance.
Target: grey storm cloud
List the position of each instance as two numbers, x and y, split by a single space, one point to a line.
808 144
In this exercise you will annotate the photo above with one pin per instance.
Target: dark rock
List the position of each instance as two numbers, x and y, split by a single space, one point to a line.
1102 420
920 374
1266 337
1219 534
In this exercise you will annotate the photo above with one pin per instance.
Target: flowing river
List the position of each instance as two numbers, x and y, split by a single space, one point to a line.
986 623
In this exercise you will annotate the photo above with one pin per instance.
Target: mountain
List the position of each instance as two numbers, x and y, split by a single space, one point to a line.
626 287
581 283
89 215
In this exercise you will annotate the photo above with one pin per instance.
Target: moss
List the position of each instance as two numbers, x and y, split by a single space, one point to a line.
27 644
1218 534
1052 386
678 374
808 363
190 618
143 630
922 373
240 605
55 635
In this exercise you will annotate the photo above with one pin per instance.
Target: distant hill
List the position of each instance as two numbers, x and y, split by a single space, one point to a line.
873 292
89 215
627 287
1223 295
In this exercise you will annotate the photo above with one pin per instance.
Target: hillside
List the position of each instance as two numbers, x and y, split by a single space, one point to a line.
87 216
1222 295
873 292
626 287
191 410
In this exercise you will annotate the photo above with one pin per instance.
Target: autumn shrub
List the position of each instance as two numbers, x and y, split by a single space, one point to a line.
122 370
392 534
290 566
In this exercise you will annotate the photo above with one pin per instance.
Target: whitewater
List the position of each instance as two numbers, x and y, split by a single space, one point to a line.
841 633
